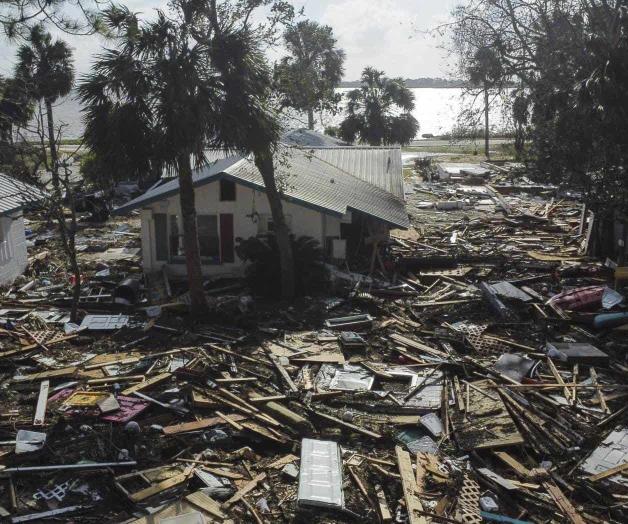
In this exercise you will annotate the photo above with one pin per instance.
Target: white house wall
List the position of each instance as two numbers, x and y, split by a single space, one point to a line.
13 252
249 210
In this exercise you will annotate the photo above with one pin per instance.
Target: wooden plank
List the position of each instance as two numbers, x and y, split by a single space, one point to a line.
609 472
284 374
43 375
348 425
408 342
199 424
229 421
410 490
563 503
420 472
243 380
206 503
560 380
247 488
214 471
513 463
384 510
42 401
159 487
157 379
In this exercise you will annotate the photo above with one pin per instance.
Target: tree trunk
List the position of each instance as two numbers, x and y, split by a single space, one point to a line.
190 235
487 151
264 162
67 233
310 119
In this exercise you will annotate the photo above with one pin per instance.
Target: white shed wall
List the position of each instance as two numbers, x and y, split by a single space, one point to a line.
250 211
13 252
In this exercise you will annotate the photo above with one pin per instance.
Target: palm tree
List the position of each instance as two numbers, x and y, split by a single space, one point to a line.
45 69
16 108
247 121
486 71
380 111
160 73
309 75
197 79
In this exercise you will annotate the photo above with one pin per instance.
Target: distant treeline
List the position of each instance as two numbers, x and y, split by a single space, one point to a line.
419 83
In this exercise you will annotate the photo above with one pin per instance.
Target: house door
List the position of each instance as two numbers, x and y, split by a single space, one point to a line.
227 243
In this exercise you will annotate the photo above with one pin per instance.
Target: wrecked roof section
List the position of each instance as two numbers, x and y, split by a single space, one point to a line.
15 194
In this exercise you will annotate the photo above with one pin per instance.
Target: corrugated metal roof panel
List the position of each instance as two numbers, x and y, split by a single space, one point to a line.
379 166
14 194
308 179
320 479
308 138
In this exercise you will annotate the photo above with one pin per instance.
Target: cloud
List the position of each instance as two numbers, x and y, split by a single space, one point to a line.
388 34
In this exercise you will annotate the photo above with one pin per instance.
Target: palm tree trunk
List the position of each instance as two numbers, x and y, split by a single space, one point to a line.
264 162
190 235
67 233
310 119
486 130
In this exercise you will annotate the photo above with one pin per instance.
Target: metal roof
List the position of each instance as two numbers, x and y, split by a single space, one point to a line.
15 194
308 138
379 166
306 180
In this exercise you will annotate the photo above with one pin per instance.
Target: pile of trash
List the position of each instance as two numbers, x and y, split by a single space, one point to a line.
478 375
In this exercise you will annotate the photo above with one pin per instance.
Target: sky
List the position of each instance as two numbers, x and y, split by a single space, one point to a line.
391 35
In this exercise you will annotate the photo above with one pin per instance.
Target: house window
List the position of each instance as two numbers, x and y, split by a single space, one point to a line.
161 237
227 191
208 239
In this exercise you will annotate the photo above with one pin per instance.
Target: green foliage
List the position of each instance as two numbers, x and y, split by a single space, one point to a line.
45 68
263 273
570 62
380 111
485 69
307 78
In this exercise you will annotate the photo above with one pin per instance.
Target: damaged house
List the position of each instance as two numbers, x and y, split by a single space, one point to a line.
14 196
340 195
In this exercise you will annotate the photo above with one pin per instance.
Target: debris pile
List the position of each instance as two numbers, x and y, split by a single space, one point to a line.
479 374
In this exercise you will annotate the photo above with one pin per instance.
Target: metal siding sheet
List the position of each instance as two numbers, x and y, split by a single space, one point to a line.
320 479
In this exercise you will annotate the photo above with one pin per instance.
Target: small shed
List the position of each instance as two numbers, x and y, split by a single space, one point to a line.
14 196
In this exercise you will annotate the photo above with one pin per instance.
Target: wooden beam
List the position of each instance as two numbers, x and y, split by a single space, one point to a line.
284 374
563 502
206 503
384 510
408 342
348 425
513 463
560 380
197 425
247 488
410 490
609 472
146 384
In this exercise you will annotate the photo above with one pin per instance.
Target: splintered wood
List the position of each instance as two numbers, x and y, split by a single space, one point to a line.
410 489
485 423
